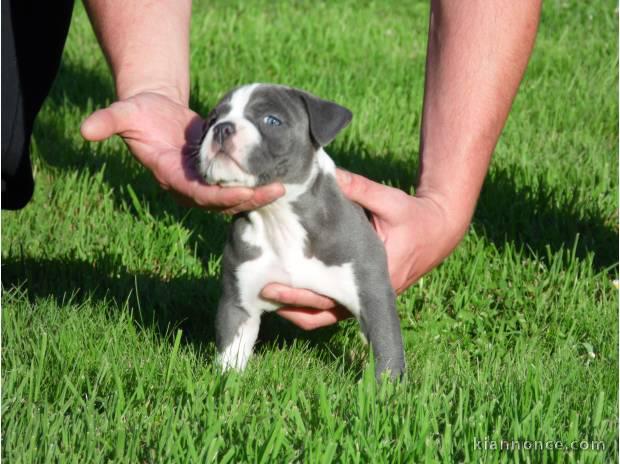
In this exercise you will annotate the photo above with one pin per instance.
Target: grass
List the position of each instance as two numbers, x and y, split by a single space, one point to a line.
109 287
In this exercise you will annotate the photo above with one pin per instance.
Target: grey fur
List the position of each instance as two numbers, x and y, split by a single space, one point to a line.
326 118
286 152
339 232
230 313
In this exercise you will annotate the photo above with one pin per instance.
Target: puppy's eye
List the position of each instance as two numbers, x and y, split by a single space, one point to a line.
272 121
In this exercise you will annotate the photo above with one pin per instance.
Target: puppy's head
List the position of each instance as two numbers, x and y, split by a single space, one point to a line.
262 133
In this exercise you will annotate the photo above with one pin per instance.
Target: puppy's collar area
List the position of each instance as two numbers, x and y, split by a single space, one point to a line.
278 219
322 163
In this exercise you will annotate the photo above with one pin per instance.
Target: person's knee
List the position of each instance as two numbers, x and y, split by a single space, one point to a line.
18 187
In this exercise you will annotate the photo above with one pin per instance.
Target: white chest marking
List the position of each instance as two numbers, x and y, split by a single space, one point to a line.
276 230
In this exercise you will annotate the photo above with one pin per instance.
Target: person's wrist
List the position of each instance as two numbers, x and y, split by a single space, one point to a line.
454 207
175 91
443 227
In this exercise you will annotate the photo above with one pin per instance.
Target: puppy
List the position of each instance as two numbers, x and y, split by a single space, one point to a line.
312 237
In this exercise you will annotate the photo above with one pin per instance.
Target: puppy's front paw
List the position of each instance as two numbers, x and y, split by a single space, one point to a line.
233 358
235 340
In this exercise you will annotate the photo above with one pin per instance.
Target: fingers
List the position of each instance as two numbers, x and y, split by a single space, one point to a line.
219 198
106 122
304 308
229 200
261 197
309 319
371 195
296 297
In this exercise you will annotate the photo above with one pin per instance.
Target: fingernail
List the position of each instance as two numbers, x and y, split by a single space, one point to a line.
343 177
270 294
277 189
246 194
271 192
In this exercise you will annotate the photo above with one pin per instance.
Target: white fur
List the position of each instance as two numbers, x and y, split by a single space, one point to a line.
325 163
237 353
231 169
239 101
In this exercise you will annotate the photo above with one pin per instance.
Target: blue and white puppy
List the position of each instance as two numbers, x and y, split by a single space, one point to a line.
312 237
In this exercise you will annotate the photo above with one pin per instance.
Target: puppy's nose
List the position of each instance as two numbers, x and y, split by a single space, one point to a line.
222 131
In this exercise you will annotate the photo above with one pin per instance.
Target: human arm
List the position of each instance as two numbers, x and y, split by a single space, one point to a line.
146 45
477 54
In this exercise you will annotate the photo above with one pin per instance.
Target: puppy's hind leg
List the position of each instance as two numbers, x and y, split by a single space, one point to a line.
380 325
236 333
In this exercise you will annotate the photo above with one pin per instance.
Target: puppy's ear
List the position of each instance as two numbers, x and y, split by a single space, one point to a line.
326 118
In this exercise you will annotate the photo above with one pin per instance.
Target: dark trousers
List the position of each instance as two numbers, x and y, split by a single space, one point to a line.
33 37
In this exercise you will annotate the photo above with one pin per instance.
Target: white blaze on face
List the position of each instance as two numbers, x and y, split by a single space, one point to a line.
230 167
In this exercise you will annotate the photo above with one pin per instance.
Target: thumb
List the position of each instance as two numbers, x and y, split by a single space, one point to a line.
106 122
367 193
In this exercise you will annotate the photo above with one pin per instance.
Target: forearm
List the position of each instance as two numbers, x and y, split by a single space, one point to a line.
146 44
477 54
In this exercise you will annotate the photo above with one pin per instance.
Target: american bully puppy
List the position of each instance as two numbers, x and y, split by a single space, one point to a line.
312 237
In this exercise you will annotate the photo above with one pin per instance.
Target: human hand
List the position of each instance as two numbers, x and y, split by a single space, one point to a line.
161 132
415 230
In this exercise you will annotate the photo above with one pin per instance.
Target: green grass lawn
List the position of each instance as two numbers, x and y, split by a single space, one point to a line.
109 288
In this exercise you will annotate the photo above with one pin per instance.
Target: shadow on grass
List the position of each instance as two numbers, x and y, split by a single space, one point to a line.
506 213
528 217
152 301
82 87
166 305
